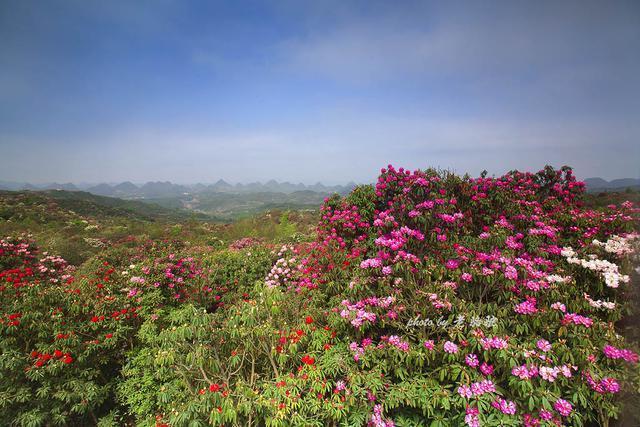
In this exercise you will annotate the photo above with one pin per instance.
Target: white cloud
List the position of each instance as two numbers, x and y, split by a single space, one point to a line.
478 40
345 145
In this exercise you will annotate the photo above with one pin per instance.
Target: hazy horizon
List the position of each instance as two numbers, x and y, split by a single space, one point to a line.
328 183
195 91
210 182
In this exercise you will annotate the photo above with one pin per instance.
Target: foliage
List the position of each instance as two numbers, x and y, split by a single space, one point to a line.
427 299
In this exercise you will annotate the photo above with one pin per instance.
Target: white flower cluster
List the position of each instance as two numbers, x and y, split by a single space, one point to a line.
125 272
554 278
282 270
618 245
94 243
609 270
599 303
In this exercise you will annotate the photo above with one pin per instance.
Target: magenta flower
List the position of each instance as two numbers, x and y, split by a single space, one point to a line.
563 407
543 345
505 406
527 307
486 369
471 418
577 320
377 419
548 373
523 372
610 384
471 360
452 264
511 273
546 415
619 353
465 391
450 347
397 342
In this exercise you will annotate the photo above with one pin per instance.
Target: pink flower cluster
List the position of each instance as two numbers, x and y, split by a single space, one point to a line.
438 303
543 230
527 307
377 419
505 406
547 373
605 385
245 242
543 345
358 350
494 343
471 417
472 360
397 342
486 369
427 204
477 389
577 320
137 280
384 218
450 347
512 242
451 218
361 315
525 372
371 263
619 353
340 221
282 272
550 373
452 264
510 272
563 407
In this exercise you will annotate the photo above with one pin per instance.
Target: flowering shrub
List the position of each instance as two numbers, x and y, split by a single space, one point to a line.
58 356
332 332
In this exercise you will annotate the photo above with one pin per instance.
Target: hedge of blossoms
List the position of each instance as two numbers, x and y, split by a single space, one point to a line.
65 332
521 248
330 333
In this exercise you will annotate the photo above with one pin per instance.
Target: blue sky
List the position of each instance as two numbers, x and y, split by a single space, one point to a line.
193 91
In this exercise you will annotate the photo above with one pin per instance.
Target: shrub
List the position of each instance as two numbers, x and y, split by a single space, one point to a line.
427 299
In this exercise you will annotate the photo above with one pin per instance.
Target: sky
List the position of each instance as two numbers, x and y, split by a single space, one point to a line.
307 91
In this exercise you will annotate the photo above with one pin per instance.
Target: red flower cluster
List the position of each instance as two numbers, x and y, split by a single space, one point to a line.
308 360
43 358
14 319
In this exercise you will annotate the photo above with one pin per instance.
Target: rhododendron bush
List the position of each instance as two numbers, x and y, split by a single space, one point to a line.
425 299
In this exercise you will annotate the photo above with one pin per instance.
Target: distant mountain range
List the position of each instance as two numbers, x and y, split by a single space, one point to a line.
166 189
599 184
160 190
